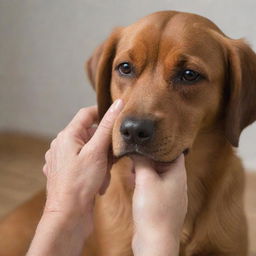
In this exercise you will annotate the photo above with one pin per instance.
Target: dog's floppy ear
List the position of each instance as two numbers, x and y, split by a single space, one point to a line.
241 108
99 69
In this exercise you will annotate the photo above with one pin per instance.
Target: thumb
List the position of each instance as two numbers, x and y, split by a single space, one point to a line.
145 173
102 136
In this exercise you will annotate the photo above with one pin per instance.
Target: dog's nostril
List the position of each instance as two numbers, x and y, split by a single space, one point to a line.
143 135
126 133
137 131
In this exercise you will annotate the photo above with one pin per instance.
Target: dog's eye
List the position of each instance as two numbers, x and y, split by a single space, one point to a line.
189 75
125 68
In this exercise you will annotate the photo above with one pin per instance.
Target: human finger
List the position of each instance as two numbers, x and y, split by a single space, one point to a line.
85 117
81 123
102 136
144 171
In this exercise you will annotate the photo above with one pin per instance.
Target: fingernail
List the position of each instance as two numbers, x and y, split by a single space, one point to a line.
117 105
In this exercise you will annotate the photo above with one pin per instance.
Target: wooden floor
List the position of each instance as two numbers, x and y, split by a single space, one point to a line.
21 161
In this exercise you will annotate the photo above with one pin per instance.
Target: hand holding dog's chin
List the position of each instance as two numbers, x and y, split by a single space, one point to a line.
159 207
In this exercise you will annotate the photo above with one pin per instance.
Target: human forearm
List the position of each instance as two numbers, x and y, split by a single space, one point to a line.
60 235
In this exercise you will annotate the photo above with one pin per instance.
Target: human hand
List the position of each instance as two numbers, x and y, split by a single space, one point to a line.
76 168
77 163
159 207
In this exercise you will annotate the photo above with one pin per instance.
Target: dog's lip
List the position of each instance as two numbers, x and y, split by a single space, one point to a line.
150 157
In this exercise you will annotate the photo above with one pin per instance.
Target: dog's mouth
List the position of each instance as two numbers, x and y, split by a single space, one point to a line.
159 165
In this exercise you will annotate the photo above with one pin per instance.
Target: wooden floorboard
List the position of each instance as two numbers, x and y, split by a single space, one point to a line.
21 161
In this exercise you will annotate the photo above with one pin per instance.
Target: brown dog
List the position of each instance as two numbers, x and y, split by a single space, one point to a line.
187 88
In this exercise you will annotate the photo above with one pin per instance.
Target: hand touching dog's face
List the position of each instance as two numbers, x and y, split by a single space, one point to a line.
178 75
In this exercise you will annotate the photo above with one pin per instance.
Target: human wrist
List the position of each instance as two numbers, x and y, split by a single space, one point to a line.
69 206
69 216
155 242
67 221
60 234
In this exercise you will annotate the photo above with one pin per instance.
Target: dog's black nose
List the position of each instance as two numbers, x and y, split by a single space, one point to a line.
137 131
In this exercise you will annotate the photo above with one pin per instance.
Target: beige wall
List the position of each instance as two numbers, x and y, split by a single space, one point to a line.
43 45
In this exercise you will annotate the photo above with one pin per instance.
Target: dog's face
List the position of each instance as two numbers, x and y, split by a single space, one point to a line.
174 72
171 85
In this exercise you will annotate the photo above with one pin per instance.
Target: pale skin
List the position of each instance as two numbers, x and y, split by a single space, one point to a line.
77 169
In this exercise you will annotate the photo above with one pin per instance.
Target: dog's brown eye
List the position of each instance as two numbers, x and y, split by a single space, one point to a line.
190 75
125 68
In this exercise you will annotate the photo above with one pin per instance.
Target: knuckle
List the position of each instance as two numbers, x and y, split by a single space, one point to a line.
45 169
65 134
83 111
60 134
47 155
53 143
71 131
74 130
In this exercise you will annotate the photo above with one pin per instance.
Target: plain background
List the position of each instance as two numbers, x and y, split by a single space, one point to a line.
44 44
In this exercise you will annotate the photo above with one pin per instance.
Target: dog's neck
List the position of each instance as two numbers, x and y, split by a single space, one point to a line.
208 161
208 152
213 170
205 165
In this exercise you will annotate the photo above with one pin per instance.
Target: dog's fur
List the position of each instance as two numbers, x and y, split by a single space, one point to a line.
206 117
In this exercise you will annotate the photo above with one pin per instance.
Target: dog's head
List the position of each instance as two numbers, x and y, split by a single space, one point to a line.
178 75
